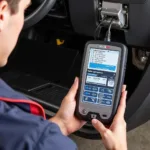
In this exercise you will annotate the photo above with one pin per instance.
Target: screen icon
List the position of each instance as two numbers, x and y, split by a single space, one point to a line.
111 83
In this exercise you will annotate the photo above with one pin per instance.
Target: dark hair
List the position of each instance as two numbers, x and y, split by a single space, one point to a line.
13 4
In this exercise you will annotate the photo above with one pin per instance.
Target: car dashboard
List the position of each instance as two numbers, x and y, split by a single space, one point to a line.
132 18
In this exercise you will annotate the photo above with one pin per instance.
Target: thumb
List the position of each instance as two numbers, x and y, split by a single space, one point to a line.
73 90
99 126
106 134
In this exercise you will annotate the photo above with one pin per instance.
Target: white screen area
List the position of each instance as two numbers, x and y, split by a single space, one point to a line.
101 60
104 60
97 80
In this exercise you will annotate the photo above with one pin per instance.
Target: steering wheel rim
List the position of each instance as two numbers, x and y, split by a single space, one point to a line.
39 13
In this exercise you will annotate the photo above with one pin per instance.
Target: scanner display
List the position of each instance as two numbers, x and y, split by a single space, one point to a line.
100 77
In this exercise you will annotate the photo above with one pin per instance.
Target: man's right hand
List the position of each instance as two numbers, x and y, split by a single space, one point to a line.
114 138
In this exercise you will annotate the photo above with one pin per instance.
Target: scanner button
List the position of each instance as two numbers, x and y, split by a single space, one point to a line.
111 83
87 93
88 88
90 100
93 116
84 112
106 102
102 90
109 91
106 90
91 88
95 89
107 96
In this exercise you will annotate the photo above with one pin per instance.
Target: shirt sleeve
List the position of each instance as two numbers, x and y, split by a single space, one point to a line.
23 131
52 139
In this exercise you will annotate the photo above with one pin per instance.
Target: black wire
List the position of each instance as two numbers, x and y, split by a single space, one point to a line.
108 33
98 29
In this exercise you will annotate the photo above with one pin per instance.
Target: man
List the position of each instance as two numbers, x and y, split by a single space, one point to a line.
22 122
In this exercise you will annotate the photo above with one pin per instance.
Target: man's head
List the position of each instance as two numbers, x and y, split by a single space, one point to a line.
11 23
13 5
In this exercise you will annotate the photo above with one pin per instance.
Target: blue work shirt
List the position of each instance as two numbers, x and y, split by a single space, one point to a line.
23 125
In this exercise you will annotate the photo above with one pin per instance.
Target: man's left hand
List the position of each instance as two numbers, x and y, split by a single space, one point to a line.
65 117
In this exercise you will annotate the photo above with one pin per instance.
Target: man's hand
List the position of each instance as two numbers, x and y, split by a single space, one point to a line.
114 138
65 118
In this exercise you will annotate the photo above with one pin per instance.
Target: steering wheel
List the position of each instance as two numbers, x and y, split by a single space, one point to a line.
39 13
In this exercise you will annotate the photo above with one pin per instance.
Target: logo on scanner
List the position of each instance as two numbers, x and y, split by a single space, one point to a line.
103 46
93 116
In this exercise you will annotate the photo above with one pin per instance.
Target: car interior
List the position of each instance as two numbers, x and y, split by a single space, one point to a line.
49 52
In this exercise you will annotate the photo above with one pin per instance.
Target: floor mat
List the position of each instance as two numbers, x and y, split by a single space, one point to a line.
45 60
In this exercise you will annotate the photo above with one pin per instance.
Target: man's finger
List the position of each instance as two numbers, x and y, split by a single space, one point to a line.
99 126
106 134
124 88
73 90
122 107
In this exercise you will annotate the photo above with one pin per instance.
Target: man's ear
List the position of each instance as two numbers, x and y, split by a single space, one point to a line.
4 13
